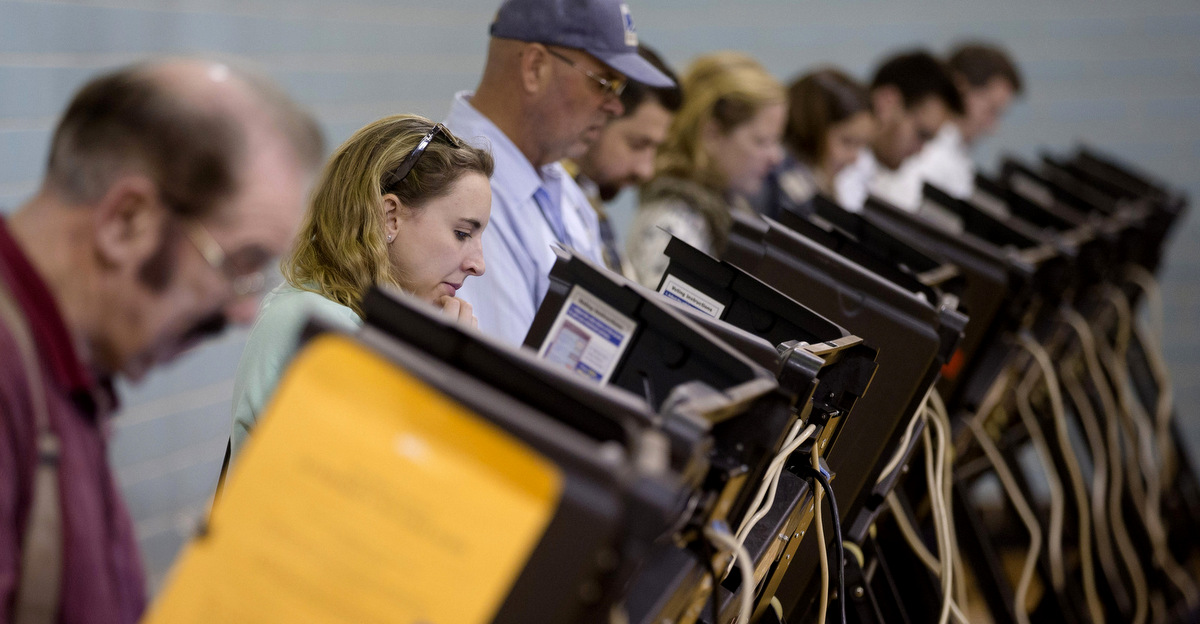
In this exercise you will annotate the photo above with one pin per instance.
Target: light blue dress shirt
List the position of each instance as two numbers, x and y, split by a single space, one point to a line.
517 245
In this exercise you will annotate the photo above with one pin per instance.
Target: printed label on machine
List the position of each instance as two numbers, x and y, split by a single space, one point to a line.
588 337
678 290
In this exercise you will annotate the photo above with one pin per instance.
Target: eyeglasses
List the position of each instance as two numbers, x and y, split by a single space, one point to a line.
609 86
244 283
397 176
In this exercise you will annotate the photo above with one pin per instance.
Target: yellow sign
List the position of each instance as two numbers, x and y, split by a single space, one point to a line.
365 496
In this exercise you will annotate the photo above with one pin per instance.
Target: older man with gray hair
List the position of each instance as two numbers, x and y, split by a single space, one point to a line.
554 75
170 188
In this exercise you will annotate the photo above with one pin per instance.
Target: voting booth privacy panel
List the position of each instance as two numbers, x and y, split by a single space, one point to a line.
656 455
414 507
1082 550
319 496
911 323
722 291
824 379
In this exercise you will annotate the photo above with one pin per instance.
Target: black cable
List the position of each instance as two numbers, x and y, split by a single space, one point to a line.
837 537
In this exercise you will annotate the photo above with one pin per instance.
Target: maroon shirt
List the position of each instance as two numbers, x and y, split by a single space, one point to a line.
102 578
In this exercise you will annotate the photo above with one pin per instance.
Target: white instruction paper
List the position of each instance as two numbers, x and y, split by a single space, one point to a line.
588 336
678 290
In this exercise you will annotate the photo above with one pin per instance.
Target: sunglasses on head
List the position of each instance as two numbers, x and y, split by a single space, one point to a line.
400 172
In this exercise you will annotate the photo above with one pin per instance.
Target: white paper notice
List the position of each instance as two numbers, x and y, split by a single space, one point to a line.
678 290
588 337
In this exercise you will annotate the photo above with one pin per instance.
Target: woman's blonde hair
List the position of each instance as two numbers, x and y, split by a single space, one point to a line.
341 249
728 88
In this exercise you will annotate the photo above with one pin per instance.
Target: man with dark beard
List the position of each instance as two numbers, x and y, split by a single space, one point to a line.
624 154
988 80
169 189
912 95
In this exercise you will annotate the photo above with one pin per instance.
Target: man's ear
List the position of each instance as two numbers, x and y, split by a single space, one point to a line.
128 222
886 102
535 68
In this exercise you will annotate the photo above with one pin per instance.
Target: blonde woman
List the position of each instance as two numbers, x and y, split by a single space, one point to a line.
402 203
722 144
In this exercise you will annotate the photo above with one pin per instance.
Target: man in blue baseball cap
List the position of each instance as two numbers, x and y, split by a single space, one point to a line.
554 75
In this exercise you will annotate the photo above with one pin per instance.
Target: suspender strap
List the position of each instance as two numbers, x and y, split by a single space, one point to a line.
41 550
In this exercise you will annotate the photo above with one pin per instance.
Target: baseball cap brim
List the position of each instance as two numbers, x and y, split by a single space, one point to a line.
636 68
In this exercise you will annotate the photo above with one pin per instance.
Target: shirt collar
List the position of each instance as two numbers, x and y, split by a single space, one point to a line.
952 136
590 189
56 345
515 179
867 163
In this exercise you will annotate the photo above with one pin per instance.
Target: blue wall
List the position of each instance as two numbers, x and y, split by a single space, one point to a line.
1125 76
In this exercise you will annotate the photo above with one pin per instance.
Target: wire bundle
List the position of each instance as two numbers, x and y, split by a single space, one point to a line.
991 405
1131 450
758 509
1075 473
938 472
1145 477
770 484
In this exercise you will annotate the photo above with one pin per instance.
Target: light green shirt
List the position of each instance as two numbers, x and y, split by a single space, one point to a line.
272 343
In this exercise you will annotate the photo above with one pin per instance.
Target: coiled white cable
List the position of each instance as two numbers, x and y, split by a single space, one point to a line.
1114 358
940 412
902 446
1144 280
822 550
1152 342
1116 519
897 457
938 474
766 491
900 516
1023 510
722 538
1075 474
935 465
1057 499
1095 438
1147 496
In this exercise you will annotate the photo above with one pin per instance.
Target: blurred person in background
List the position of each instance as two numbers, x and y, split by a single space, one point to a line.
402 203
988 80
912 95
721 146
552 81
829 123
624 154
170 189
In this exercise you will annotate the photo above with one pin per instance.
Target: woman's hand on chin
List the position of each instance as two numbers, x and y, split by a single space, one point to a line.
458 310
